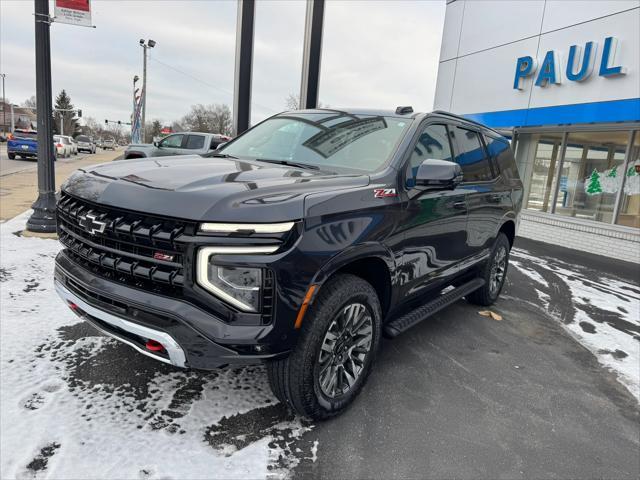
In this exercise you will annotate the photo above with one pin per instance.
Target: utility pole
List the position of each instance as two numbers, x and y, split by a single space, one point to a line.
4 105
145 47
43 218
133 115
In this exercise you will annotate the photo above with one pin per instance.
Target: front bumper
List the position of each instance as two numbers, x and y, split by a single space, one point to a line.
191 337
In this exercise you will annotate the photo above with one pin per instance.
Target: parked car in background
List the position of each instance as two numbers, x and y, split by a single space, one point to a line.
85 144
63 146
109 143
99 142
3 139
74 145
184 143
22 144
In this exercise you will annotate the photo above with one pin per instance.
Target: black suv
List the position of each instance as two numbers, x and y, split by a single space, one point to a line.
299 244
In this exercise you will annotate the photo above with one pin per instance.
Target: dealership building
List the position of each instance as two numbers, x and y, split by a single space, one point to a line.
562 79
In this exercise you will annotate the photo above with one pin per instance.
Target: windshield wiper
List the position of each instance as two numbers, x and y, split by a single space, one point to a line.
219 155
287 162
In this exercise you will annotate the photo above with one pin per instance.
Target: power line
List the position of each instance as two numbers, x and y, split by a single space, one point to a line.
193 77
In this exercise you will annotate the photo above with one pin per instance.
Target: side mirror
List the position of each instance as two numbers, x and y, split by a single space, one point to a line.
220 145
156 143
438 174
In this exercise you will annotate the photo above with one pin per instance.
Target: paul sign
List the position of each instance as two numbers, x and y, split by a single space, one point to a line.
74 12
580 65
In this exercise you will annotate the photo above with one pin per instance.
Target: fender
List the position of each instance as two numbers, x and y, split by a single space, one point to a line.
360 252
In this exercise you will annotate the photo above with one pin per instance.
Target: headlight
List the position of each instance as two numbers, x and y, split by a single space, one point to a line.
239 286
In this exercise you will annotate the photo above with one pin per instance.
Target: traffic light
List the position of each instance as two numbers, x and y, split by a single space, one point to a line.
119 122
106 122
79 113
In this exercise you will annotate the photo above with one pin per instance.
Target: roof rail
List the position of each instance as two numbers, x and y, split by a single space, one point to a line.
460 117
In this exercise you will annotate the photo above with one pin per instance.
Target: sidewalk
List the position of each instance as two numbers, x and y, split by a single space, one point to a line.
19 190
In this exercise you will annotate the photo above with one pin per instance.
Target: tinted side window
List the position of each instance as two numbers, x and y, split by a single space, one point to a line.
195 142
433 143
471 157
500 152
173 141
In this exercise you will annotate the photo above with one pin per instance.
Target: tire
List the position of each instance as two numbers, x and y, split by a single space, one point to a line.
12 156
298 380
494 272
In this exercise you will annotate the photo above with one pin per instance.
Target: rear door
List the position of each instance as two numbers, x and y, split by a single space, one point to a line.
479 182
193 144
434 222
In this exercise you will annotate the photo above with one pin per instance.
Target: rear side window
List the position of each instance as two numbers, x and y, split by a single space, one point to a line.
471 156
500 152
195 142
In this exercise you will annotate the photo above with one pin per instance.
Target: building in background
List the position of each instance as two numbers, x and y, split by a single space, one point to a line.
562 78
23 117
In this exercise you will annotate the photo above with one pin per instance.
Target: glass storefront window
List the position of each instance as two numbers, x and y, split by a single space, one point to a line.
592 175
595 175
629 214
543 171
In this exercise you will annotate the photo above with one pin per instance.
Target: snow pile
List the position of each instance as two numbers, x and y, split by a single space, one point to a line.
600 311
75 404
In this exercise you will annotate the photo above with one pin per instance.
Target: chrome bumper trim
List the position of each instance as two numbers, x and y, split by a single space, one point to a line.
175 352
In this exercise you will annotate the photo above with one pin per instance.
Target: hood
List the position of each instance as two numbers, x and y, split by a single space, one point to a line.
206 189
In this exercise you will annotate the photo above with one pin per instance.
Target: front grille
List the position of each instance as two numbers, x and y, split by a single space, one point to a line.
134 248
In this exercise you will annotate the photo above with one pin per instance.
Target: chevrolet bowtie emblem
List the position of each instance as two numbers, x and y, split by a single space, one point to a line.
91 225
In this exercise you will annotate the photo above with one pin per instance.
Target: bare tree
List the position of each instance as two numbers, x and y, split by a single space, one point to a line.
292 102
214 118
30 102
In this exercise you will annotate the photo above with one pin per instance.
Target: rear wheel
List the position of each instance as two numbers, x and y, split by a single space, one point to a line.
12 156
338 344
493 272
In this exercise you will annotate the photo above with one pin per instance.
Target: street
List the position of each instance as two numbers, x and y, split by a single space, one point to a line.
19 182
541 393
8 167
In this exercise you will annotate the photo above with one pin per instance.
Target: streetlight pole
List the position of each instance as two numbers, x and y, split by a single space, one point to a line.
145 47
43 218
4 105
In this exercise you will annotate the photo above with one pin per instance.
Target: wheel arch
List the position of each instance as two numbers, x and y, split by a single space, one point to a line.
372 263
509 229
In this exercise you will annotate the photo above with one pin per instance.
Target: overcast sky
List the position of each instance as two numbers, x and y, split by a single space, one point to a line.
375 54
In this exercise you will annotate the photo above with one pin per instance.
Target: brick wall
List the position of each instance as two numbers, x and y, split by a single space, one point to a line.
601 239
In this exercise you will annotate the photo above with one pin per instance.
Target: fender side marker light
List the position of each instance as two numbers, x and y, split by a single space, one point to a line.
305 305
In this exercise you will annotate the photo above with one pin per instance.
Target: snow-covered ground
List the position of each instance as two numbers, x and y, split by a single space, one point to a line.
72 406
75 404
602 312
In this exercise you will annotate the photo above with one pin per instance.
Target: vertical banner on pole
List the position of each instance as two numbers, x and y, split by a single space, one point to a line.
73 12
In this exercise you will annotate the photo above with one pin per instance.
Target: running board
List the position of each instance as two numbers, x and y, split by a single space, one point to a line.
408 320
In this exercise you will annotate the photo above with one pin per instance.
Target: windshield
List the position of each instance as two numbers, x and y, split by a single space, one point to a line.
82 138
328 140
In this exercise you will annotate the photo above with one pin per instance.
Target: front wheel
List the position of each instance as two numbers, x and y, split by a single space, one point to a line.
493 272
338 344
12 156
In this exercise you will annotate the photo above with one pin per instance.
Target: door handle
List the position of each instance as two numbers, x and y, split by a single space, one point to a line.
495 198
460 205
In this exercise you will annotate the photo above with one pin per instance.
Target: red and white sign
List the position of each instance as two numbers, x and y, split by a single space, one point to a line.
73 12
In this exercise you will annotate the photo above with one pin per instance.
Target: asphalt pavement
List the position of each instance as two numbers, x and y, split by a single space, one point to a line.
464 396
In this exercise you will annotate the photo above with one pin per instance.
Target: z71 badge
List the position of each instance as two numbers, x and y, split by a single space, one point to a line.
384 192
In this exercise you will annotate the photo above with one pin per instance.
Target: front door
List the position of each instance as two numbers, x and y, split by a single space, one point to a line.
169 145
434 222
